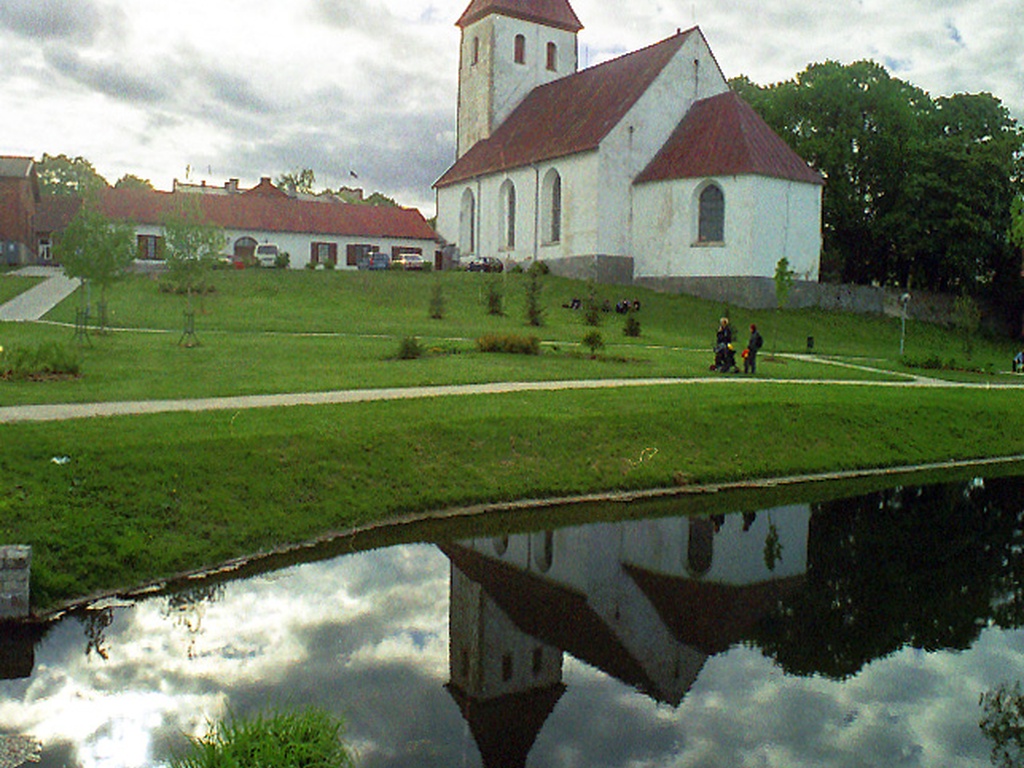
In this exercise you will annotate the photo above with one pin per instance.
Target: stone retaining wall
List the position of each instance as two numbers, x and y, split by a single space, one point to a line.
15 566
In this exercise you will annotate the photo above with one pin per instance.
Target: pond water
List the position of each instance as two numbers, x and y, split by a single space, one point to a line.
849 632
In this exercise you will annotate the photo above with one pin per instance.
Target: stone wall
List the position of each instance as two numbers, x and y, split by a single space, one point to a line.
611 270
15 565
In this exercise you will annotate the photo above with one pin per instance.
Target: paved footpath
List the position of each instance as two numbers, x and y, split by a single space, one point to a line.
37 301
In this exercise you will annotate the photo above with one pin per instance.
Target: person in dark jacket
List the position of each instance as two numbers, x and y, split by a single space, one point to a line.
755 343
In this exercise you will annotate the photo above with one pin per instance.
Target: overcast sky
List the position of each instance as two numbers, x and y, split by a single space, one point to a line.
248 88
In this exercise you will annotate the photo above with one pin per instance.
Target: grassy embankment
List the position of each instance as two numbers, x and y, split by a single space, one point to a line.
143 497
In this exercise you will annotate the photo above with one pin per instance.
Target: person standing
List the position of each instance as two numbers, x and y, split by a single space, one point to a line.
755 343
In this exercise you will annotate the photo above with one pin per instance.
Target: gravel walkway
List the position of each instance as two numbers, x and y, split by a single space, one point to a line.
18 750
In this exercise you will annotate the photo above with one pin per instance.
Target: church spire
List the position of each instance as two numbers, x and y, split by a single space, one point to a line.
552 13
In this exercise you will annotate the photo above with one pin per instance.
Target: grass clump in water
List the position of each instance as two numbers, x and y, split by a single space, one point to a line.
309 738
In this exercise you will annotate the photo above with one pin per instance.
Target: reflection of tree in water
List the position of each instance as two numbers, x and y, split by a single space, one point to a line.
925 567
1002 722
95 625
188 607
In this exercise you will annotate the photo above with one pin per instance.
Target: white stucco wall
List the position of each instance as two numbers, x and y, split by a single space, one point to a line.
579 211
298 245
633 143
765 220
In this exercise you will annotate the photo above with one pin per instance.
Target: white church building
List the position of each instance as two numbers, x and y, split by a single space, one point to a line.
644 169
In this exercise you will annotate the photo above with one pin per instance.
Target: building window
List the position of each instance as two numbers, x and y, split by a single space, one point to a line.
551 208
544 552
711 222
476 51
467 223
552 57
506 667
508 216
520 49
323 253
151 247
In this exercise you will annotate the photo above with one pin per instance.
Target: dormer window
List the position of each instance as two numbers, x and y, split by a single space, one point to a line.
520 49
552 57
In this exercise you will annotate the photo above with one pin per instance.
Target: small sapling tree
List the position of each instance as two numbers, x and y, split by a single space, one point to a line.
192 245
96 250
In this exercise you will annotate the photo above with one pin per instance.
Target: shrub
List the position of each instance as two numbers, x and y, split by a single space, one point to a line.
494 299
539 268
632 327
48 359
593 341
513 344
410 349
534 310
309 738
283 260
437 302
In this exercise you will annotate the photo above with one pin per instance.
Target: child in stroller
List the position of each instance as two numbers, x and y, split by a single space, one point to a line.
725 359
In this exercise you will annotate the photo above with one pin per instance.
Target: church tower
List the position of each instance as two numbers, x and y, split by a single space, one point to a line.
508 48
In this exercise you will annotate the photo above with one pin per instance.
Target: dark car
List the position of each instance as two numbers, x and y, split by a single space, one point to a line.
485 264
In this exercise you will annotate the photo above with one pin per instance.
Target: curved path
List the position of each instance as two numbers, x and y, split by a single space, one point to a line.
34 303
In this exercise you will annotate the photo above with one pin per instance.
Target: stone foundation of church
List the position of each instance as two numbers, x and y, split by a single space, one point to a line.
759 293
15 563
610 270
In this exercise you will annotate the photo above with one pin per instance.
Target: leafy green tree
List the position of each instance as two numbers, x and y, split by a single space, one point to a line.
96 249
131 181
918 191
299 181
192 245
63 175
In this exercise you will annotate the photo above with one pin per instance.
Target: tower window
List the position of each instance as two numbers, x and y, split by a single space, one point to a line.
552 57
476 51
520 49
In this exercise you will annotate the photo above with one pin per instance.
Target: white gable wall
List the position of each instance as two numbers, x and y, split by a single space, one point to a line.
765 220
691 75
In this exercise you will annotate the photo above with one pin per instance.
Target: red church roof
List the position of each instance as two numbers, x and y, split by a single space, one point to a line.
569 115
553 13
724 136
271 213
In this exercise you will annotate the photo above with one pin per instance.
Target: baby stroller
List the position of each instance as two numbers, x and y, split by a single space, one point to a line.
725 359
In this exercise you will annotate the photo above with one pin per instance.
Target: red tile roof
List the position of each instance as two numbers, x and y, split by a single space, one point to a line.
569 115
724 136
553 13
270 213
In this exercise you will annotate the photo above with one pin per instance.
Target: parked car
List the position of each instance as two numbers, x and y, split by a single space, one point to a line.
266 254
411 261
485 264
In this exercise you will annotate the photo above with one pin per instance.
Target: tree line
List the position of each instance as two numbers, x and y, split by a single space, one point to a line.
921 193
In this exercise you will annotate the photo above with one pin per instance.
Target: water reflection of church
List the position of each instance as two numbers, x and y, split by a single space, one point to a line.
647 602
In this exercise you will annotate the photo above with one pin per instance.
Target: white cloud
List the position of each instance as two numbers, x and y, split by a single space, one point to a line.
246 88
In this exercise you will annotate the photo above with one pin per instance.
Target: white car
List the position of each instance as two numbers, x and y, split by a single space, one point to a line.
266 254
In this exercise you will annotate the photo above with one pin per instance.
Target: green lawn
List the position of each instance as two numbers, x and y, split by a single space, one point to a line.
144 497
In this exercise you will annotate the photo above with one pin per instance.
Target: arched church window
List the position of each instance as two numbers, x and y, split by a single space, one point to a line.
508 215
551 207
544 550
520 49
467 223
476 51
552 57
711 221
